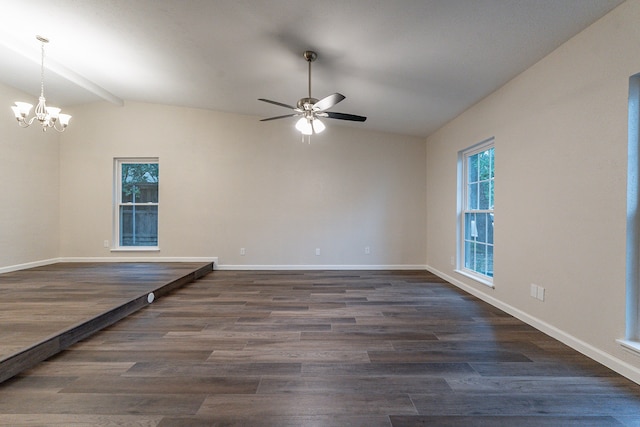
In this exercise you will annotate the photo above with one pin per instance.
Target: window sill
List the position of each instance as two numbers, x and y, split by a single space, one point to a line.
476 278
137 249
633 346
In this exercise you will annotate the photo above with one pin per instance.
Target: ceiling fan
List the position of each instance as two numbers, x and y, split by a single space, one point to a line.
310 109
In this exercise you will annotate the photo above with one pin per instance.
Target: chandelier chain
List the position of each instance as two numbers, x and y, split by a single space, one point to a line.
42 68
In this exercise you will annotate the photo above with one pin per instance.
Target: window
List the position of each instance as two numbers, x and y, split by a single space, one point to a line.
632 334
475 250
136 203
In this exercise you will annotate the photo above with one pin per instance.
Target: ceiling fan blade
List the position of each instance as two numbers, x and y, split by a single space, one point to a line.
277 103
343 116
328 101
278 117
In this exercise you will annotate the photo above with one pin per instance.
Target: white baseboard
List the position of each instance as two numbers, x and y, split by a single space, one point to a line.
321 267
620 366
107 259
216 266
33 264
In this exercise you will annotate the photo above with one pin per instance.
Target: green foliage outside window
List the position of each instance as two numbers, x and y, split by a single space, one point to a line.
135 177
138 211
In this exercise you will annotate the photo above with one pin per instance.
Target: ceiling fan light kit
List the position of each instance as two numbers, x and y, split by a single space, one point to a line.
310 110
48 117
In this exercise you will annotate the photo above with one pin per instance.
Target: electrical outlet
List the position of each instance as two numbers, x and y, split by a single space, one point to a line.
317 251
367 250
453 261
243 251
106 243
537 292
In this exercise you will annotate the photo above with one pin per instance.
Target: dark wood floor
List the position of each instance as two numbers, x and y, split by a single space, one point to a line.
46 309
319 349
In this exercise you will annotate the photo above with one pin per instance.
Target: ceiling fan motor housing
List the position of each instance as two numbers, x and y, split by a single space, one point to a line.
306 103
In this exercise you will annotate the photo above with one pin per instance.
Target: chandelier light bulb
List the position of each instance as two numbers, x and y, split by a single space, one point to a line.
22 109
64 120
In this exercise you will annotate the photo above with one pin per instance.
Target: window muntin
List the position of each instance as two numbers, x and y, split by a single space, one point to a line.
136 224
477 211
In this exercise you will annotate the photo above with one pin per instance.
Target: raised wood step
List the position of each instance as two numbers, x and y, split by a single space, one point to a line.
47 309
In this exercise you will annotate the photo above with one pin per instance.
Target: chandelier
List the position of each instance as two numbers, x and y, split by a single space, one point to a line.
48 117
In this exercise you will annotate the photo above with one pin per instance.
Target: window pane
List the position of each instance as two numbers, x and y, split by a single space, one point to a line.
491 194
485 195
480 258
138 225
470 226
472 171
472 196
492 152
139 182
127 194
469 255
484 164
481 225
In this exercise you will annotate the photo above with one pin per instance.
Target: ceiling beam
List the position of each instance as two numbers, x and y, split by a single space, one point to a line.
59 69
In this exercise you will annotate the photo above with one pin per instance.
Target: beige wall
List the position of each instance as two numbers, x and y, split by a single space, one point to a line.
560 133
28 187
229 182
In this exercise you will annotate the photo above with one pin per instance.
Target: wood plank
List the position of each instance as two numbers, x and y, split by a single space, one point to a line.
353 384
504 421
304 404
159 385
499 404
279 421
80 420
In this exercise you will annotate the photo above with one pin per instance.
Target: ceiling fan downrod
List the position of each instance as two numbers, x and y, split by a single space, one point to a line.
310 56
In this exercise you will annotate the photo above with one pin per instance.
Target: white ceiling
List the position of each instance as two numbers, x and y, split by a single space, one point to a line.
408 65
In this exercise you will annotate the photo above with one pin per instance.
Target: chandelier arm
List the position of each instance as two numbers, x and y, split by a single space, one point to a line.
24 123
56 128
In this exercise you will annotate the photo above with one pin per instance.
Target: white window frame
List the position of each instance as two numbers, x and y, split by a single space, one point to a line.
463 181
117 204
631 341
